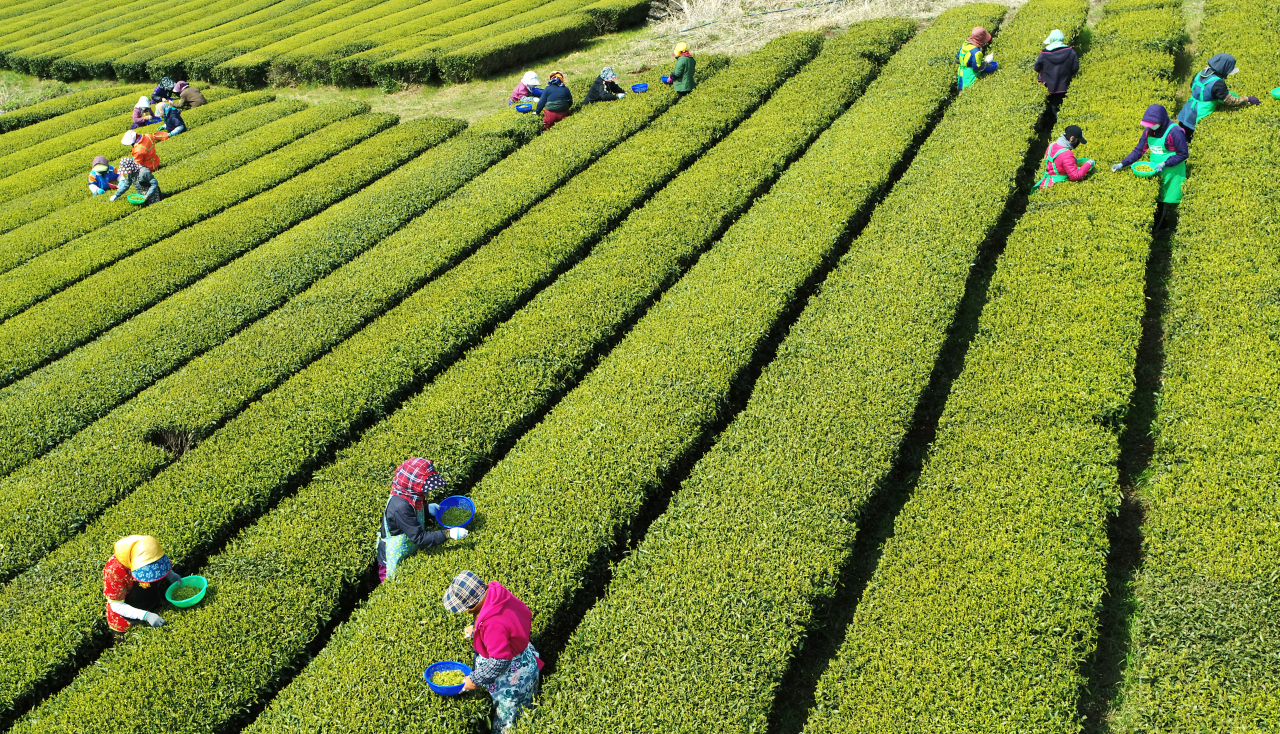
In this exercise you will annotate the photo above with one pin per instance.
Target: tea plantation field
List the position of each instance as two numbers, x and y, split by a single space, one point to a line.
784 406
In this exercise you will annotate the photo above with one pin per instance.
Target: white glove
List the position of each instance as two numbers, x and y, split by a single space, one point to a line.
457 533
990 58
621 95
1116 168
153 619
113 197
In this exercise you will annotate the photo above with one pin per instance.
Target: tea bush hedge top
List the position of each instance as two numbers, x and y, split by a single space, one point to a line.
63 114
1207 621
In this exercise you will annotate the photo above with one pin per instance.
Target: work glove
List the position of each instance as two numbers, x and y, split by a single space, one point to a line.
153 619
113 197
457 533
432 509
1116 168
621 95
1159 167
1252 100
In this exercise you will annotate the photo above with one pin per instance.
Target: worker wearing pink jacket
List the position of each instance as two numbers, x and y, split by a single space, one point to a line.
1060 162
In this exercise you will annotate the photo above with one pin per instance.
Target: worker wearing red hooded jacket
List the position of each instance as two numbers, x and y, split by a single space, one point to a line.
506 664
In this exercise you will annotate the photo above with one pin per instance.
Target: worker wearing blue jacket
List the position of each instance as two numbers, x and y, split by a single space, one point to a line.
1208 91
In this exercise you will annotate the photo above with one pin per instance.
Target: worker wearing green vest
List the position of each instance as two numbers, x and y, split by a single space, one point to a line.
1060 162
971 60
1208 91
1169 152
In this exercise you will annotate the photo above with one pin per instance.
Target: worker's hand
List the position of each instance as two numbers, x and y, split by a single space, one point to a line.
467 685
622 95
468 631
1116 168
1252 100
1159 167
153 619
113 197
432 509
457 533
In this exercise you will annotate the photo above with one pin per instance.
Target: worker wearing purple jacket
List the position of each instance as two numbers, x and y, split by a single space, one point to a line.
1168 145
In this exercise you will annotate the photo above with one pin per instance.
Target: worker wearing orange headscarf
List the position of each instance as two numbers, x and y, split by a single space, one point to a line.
144 148
134 581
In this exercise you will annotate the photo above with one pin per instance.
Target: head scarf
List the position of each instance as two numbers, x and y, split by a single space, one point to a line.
557 77
167 83
144 558
1223 65
127 166
100 160
129 138
1156 118
180 86
143 104
414 480
1056 40
530 79
607 74
682 48
979 36
162 108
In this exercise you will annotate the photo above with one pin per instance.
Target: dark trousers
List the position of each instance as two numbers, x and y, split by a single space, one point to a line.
1055 101
1188 131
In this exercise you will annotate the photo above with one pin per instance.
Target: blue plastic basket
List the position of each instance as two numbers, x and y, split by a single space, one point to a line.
638 88
449 503
441 667
524 108
991 66
666 80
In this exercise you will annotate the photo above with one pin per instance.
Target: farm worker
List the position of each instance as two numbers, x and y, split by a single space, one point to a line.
605 88
506 664
404 523
1168 145
144 148
163 90
173 122
1056 65
682 76
142 114
1060 159
1208 90
134 581
132 174
970 57
188 96
527 91
102 177
556 100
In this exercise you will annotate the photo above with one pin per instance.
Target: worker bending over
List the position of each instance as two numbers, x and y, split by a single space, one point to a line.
506 664
1060 162
188 96
605 88
1055 67
527 91
142 114
682 76
102 176
134 581
1208 90
172 119
144 148
404 521
971 60
1168 145
556 101
163 90
139 177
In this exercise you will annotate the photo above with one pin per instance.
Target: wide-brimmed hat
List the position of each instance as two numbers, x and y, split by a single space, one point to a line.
466 591
144 103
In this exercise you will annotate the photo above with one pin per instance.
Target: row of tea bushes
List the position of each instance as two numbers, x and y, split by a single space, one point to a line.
64 114
337 532
1207 624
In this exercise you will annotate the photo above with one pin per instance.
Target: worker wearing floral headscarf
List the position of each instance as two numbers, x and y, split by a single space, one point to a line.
404 522
682 79
507 665
527 91
134 581
132 174
556 100
605 88
144 148
163 90
971 60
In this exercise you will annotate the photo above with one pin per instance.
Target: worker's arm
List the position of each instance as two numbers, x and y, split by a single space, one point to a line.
403 520
542 102
489 671
1067 166
1075 63
1138 150
123 183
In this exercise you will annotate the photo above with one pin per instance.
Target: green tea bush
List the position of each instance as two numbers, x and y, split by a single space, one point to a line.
44 163
57 214
218 384
196 60
56 21
252 69
62 115
1124 6
215 386
983 605
1157 29
336 396
196 188
1204 637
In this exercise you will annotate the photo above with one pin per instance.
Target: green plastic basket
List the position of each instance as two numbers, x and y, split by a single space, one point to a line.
1143 170
1275 93
198 582
137 199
